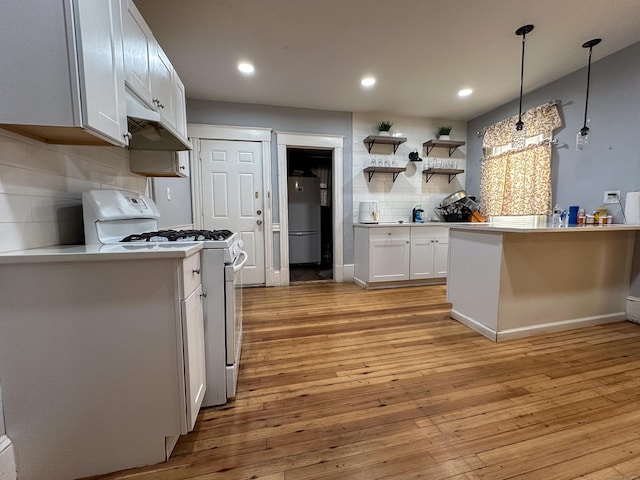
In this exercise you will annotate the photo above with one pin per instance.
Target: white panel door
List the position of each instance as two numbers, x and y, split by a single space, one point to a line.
233 198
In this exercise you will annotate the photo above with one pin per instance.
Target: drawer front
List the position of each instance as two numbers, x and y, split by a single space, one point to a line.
429 232
396 233
191 276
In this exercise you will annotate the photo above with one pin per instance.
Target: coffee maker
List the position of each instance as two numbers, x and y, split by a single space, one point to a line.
417 214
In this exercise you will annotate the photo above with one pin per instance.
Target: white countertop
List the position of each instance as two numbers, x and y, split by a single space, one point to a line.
412 224
84 253
488 228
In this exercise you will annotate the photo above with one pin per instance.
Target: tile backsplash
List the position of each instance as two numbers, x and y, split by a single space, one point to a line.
41 188
397 199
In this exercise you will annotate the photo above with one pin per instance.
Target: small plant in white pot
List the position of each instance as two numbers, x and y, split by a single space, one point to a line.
443 132
384 128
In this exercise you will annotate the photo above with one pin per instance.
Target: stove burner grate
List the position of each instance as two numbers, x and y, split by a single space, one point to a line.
178 236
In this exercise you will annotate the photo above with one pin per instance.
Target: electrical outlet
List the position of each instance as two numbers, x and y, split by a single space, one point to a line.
611 196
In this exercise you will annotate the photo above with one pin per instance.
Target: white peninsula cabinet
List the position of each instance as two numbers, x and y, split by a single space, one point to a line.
63 71
400 255
101 355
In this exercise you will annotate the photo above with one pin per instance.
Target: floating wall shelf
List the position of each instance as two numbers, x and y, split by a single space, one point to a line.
395 141
449 144
451 172
394 170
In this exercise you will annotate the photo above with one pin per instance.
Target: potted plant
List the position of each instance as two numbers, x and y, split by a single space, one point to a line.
443 132
384 127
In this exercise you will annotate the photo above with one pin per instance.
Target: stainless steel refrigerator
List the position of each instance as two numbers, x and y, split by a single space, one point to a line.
304 220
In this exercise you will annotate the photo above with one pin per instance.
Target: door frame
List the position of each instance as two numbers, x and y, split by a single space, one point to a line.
311 141
197 131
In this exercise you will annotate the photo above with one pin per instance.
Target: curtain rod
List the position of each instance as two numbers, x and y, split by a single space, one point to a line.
552 102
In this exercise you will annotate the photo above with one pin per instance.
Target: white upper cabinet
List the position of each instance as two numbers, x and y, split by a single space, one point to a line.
149 74
139 48
163 86
63 80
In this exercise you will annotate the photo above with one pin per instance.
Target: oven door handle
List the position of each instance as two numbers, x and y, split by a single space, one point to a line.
237 266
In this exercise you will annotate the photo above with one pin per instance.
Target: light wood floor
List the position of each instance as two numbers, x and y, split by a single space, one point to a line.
341 383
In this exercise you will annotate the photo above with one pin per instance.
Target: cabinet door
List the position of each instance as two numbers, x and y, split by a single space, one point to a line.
388 260
163 86
441 257
422 265
138 53
193 351
180 105
100 58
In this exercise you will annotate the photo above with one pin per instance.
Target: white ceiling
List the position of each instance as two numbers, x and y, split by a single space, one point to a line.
313 53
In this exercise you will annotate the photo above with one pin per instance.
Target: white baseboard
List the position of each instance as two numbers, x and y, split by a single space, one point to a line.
633 309
560 326
348 272
7 459
474 325
540 329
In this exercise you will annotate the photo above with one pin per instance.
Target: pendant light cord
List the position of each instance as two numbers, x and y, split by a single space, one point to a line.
520 124
522 31
584 131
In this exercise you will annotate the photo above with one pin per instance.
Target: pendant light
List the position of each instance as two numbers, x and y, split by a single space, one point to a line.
522 31
582 138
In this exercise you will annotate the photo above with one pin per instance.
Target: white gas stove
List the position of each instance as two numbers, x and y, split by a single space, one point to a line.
127 218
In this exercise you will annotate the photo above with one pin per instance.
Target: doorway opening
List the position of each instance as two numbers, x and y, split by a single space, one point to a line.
310 214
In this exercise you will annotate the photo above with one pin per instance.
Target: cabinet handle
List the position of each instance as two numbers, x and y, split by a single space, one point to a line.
204 294
182 167
436 241
127 135
158 102
196 271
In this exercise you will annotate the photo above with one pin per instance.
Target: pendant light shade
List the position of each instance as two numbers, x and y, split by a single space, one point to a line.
582 138
522 31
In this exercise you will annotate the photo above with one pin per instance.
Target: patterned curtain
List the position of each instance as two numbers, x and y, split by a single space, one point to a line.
515 174
517 182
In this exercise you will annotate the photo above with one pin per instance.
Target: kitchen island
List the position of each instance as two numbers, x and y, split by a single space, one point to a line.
511 282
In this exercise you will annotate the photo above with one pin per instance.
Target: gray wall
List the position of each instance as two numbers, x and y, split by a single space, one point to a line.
612 161
298 120
174 212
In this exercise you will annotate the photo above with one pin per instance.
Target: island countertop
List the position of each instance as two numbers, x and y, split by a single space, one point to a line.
489 228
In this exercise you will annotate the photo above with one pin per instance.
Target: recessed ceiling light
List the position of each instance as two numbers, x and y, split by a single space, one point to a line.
465 92
368 82
246 68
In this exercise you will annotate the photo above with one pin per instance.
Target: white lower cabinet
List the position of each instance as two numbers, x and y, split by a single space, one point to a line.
429 252
389 258
102 362
400 253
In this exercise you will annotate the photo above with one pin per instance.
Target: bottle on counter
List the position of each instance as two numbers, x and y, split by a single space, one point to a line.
557 212
600 212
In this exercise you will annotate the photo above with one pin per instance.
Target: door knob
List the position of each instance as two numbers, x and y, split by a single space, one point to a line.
259 212
259 222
